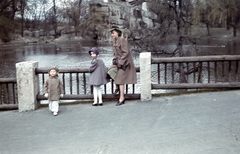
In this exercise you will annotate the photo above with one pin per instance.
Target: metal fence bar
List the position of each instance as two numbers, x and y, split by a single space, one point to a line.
78 85
236 72
8 92
222 71
208 68
229 71
172 72
215 71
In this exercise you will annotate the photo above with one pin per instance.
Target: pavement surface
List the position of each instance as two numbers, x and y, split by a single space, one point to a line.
202 123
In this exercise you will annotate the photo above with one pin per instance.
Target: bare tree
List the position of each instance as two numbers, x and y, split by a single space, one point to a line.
231 12
37 14
204 14
23 4
174 19
73 11
219 13
8 9
54 19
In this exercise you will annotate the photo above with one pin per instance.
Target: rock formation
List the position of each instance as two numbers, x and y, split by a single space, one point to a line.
132 19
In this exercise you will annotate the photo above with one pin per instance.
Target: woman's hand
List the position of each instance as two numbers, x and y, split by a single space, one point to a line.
119 65
114 61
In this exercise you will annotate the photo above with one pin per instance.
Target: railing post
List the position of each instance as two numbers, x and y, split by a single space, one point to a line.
28 85
145 76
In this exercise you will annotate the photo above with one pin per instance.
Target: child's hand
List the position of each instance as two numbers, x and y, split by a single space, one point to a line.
61 95
46 95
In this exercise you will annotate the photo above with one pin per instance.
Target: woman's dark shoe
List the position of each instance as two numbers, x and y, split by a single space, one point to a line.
94 104
100 104
120 103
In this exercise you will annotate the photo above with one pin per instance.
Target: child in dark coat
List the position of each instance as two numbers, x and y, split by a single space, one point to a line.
98 72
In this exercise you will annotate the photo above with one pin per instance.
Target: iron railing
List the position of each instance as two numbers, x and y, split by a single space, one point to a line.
8 93
196 72
167 73
75 83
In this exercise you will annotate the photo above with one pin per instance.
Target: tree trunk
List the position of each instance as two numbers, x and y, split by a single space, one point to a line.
22 21
208 29
54 19
76 29
22 16
234 31
181 67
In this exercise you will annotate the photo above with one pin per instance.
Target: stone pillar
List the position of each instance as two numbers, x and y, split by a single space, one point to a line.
145 76
28 85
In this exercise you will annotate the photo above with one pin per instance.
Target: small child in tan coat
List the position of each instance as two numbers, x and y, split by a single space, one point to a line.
53 90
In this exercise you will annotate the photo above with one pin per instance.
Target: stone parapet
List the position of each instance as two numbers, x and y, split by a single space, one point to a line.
28 85
145 76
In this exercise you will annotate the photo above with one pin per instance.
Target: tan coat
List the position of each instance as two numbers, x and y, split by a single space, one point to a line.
54 87
121 48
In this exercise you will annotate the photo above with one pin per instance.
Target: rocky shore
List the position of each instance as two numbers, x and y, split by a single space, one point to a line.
201 33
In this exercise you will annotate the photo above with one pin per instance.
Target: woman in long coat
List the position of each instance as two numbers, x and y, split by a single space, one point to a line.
123 76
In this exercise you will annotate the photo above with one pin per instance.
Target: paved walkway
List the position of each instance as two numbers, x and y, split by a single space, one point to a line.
205 123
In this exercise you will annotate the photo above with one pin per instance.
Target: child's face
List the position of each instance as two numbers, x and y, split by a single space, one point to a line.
53 73
93 55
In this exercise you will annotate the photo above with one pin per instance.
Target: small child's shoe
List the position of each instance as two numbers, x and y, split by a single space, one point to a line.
55 113
95 104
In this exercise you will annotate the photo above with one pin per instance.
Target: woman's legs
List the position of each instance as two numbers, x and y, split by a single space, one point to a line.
121 88
121 98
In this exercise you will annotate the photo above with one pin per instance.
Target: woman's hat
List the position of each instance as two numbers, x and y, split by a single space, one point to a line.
116 29
95 50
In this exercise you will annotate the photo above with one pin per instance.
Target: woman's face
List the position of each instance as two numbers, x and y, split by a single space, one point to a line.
114 34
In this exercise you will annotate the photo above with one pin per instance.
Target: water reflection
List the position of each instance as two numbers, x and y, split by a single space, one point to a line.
75 54
47 55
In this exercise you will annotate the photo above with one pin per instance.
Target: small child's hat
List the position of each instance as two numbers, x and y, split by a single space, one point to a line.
95 50
54 68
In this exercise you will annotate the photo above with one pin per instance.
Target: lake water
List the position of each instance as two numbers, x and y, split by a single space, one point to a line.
75 55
